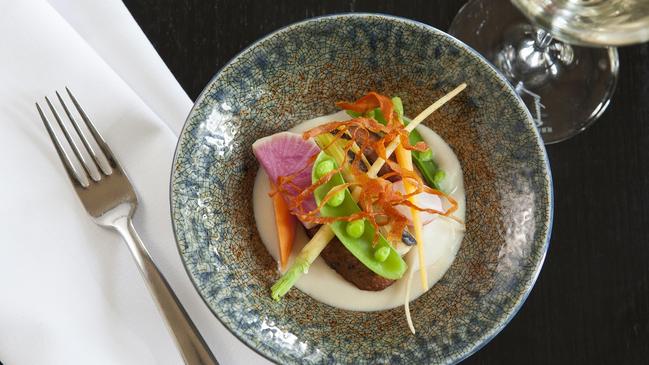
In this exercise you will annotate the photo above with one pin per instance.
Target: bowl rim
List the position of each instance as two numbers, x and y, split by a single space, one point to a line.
493 332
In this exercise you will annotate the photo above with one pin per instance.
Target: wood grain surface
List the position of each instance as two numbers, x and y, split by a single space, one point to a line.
591 302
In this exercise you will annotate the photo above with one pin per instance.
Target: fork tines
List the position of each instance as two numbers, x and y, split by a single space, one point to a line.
93 169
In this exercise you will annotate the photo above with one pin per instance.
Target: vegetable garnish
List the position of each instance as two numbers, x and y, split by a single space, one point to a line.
424 161
284 154
285 223
376 199
302 261
368 102
404 157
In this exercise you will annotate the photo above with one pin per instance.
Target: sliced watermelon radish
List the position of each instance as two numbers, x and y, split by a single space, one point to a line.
423 200
284 154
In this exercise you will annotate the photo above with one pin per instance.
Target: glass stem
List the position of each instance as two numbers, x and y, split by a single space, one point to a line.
543 40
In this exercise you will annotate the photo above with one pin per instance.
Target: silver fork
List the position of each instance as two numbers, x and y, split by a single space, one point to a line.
109 198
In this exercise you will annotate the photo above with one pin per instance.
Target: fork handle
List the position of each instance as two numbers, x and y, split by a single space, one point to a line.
189 341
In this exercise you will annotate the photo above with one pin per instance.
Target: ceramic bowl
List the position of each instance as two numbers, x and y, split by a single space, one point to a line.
297 73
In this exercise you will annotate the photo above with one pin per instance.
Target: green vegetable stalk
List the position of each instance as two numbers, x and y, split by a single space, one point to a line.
302 262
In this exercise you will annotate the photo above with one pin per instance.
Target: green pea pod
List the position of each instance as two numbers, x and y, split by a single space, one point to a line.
425 165
428 170
393 267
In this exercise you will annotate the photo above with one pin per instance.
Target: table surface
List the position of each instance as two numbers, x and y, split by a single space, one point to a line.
591 302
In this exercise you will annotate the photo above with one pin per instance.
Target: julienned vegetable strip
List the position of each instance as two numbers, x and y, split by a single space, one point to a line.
285 223
404 158
406 300
325 234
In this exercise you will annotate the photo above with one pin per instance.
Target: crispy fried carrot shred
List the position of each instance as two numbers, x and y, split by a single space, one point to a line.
378 199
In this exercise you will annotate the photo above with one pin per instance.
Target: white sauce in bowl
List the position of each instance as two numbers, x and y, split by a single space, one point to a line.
442 237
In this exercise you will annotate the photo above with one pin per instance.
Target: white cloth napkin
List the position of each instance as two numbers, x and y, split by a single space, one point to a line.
69 290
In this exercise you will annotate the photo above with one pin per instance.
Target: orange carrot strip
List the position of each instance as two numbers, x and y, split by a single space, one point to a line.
368 102
285 223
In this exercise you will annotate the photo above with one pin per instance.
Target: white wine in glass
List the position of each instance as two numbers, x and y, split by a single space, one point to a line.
563 65
591 22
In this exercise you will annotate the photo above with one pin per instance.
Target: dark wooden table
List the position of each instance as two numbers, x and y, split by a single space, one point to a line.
591 302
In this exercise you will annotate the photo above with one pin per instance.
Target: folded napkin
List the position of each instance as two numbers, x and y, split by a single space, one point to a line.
70 292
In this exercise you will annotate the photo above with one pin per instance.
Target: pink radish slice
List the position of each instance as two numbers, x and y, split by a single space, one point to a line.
284 154
423 200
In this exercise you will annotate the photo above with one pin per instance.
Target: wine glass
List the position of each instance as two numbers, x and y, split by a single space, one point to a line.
564 68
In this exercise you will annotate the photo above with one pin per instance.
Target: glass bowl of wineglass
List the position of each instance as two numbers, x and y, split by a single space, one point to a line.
564 66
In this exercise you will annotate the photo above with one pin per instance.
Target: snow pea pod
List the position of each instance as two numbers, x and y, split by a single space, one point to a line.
390 266
424 161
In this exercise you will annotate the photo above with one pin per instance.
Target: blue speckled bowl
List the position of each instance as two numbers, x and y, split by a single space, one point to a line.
297 73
